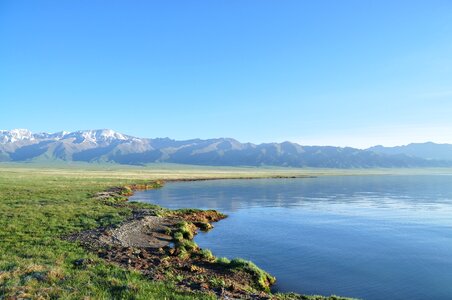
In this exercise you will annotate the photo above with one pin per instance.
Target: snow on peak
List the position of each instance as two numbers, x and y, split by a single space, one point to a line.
96 136
50 136
90 136
11 136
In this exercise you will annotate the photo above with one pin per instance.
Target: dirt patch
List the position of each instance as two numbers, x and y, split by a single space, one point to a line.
148 243
197 216
147 232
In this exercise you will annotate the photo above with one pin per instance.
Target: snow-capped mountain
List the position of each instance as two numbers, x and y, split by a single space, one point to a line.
22 144
11 136
92 136
106 145
97 136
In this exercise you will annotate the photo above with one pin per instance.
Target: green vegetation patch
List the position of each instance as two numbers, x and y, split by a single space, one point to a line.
36 210
264 280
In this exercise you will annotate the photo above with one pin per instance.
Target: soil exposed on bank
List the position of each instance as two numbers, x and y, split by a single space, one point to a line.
159 243
146 232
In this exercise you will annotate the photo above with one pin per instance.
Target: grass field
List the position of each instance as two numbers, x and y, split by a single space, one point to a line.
39 204
36 208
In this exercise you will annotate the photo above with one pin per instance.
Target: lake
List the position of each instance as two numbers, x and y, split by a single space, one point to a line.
370 237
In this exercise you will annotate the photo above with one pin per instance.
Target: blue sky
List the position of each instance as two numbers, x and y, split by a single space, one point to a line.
354 73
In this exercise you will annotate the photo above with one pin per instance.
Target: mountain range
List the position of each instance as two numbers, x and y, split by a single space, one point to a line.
427 150
106 145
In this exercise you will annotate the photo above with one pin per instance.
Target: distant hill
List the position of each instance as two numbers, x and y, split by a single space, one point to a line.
109 146
429 150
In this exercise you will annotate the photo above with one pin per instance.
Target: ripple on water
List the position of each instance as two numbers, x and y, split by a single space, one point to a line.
373 237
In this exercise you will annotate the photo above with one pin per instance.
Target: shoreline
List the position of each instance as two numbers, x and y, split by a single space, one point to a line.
157 241
178 254
237 178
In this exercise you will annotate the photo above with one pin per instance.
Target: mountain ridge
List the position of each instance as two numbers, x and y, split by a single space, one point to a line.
106 145
427 150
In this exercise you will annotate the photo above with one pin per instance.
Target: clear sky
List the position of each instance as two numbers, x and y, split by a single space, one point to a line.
354 73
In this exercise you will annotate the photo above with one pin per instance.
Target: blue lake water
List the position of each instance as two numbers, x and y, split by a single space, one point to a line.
370 237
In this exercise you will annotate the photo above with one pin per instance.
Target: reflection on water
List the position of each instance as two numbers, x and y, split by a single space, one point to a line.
373 237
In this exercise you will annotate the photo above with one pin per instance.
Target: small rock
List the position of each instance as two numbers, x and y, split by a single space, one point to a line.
83 262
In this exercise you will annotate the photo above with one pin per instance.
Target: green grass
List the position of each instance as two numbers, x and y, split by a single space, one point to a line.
264 280
184 229
176 171
36 209
207 254
223 260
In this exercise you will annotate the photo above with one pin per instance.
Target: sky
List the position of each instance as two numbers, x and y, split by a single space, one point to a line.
345 73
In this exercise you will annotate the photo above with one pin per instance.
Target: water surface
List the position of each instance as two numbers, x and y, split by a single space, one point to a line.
371 237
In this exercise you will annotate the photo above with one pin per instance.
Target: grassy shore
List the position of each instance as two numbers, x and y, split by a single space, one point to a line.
36 209
177 171
40 204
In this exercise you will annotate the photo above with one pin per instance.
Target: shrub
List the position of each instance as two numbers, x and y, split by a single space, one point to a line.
264 279
207 254
223 261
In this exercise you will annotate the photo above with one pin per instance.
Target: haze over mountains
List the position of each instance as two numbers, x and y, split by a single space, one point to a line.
427 150
21 145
